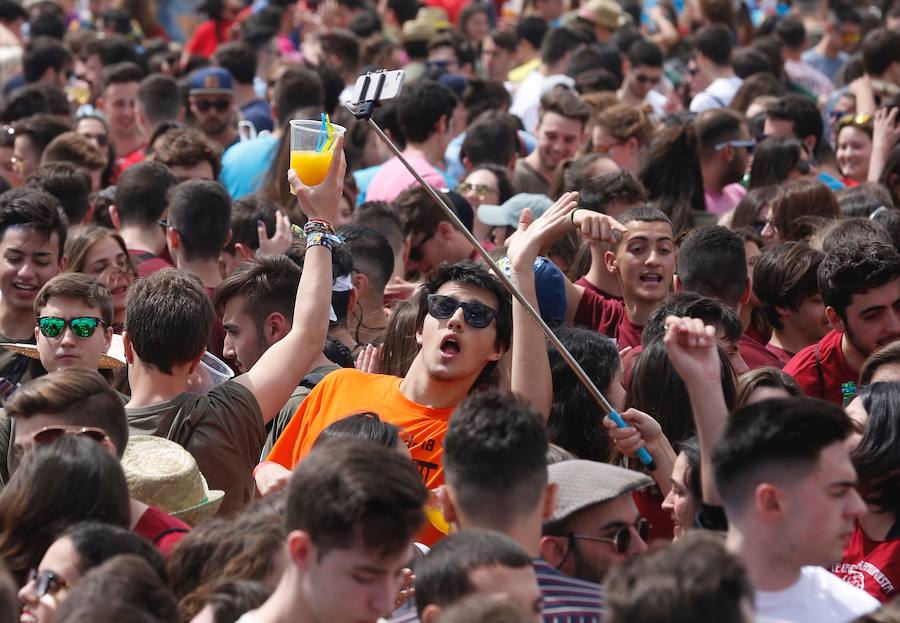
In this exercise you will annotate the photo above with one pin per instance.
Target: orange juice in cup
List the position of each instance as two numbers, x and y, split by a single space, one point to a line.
312 148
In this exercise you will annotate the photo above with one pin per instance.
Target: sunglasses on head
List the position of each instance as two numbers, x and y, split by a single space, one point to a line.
45 582
481 190
52 433
804 167
857 119
83 326
748 145
622 537
49 434
477 316
205 105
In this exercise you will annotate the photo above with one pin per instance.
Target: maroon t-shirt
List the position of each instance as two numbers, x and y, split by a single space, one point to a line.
782 355
583 282
832 369
161 529
609 318
753 351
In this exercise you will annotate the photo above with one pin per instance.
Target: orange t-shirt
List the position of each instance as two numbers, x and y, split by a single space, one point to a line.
348 391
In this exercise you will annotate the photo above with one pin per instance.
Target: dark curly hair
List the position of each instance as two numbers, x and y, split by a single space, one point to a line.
854 269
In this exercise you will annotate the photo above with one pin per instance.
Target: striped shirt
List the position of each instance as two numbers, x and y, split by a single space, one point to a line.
566 599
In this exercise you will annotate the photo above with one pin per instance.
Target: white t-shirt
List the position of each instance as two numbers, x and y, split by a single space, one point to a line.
249 617
718 94
526 102
818 596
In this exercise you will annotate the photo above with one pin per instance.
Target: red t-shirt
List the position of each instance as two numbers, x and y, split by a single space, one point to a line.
873 566
782 355
161 529
609 318
834 369
754 353
129 159
583 282
207 37
148 263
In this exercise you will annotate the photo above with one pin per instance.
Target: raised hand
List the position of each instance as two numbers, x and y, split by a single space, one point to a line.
597 227
321 202
369 360
691 347
532 236
280 241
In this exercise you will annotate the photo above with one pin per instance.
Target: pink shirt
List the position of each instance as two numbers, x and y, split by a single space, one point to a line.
721 204
393 178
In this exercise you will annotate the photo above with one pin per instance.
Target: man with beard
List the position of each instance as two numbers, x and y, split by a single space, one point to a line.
724 146
559 133
860 286
595 523
212 105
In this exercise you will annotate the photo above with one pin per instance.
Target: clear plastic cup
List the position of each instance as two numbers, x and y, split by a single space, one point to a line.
310 164
210 373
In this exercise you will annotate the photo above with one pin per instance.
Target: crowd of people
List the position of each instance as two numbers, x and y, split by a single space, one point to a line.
233 393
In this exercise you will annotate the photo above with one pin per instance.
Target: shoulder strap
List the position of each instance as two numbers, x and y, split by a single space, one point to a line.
820 374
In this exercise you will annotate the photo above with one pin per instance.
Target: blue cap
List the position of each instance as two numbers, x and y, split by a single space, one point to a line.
550 285
212 80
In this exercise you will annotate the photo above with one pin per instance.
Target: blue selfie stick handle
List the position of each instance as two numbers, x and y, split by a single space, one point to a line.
642 453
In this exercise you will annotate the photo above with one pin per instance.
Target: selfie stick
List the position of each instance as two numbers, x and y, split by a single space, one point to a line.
363 110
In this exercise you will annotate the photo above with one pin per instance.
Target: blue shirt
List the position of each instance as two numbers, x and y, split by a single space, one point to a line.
828 66
245 164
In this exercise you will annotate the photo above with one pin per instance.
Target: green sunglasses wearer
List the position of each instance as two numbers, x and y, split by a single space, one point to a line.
83 326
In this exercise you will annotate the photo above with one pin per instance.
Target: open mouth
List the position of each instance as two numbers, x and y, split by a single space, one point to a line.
450 346
652 278
24 288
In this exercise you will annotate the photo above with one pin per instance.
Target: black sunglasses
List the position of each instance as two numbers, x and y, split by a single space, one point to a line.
622 538
477 316
205 105
102 140
803 166
646 79
415 252
83 327
45 582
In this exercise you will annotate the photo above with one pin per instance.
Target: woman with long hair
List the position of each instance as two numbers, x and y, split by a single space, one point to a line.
872 558
670 171
101 253
779 159
58 484
798 210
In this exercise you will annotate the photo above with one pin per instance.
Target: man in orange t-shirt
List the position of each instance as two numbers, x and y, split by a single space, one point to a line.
457 344
465 323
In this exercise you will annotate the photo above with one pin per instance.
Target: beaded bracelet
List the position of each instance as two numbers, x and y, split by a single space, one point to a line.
318 226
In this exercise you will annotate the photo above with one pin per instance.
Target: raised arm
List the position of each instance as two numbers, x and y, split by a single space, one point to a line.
530 363
691 347
283 365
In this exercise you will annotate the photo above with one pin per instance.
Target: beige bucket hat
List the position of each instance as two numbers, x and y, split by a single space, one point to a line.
114 358
163 474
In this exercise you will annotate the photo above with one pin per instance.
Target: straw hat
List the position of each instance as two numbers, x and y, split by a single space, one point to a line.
163 474
111 360
606 13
